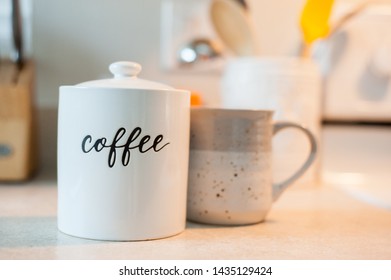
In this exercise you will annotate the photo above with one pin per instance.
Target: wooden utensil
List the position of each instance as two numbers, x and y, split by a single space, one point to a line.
233 25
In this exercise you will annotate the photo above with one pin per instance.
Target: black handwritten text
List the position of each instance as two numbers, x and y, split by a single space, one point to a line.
134 141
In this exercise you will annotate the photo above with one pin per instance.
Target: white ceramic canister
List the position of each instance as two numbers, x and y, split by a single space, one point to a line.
123 146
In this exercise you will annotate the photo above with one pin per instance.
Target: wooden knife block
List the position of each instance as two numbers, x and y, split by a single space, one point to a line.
18 142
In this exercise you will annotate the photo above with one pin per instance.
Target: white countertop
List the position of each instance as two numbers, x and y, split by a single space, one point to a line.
348 216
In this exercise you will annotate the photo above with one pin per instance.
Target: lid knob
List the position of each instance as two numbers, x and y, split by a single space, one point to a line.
123 69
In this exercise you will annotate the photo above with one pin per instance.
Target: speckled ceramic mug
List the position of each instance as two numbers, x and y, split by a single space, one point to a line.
230 167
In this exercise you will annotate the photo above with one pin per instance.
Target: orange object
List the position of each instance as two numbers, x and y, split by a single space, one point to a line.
195 99
314 19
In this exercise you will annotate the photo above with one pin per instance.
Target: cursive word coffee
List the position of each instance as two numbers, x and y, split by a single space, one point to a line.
134 141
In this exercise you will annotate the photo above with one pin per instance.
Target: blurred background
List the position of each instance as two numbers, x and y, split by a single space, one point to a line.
75 41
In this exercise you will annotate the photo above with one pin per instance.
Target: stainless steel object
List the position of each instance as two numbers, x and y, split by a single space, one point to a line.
200 49
17 33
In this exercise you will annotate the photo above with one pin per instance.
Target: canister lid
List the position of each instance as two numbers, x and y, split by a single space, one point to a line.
125 76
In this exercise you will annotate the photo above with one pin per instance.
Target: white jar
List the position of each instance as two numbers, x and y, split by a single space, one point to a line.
123 147
291 87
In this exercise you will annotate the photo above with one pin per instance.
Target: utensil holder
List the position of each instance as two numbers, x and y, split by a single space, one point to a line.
18 143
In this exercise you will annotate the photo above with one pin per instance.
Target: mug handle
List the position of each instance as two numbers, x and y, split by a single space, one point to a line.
279 188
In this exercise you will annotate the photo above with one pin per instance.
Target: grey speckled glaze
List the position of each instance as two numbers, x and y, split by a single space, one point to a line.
230 167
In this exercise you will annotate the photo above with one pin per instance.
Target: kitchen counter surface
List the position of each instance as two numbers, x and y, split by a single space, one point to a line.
338 219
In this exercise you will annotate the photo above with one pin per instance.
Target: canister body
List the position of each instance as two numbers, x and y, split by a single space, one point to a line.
122 162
